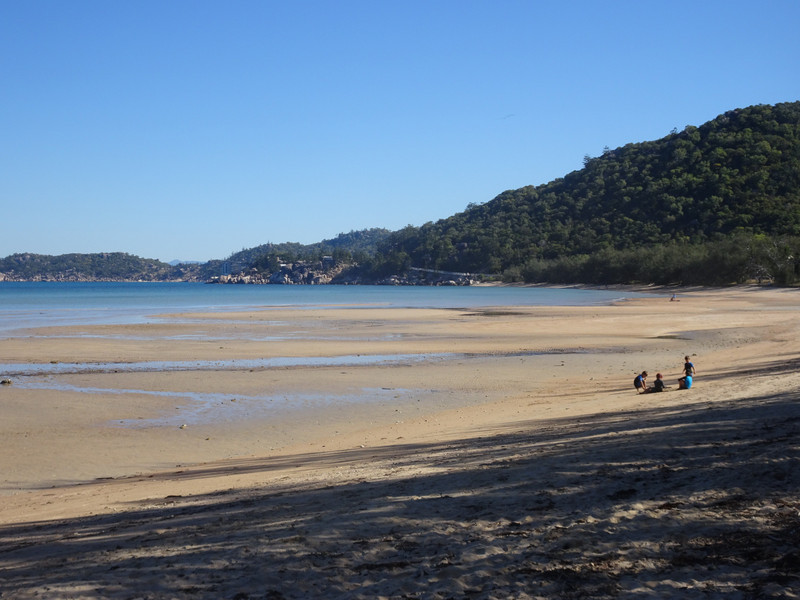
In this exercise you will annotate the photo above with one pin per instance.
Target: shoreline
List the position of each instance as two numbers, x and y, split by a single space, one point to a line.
556 453
482 356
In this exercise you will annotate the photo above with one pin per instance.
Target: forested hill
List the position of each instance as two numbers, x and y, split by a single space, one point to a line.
673 203
714 204
105 266
344 246
120 266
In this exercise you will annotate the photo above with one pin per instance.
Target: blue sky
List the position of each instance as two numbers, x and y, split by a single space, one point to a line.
190 129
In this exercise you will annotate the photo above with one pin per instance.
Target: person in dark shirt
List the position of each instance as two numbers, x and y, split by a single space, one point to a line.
659 386
685 382
688 367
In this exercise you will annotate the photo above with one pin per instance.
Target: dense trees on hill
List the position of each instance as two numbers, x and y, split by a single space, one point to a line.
714 204
110 266
345 247
736 259
672 206
118 266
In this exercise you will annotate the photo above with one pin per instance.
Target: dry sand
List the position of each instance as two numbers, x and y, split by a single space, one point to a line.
513 460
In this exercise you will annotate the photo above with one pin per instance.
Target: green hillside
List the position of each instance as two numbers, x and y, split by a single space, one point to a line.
106 266
666 211
714 204
119 266
345 247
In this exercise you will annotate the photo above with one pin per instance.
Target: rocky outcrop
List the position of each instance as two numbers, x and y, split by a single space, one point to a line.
322 273
414 278
298 273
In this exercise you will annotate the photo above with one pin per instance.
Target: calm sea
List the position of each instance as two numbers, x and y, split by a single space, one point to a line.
34 304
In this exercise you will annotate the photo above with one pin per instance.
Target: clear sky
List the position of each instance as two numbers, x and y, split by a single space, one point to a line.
190 129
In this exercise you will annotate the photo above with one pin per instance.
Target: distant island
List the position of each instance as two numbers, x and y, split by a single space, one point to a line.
714 204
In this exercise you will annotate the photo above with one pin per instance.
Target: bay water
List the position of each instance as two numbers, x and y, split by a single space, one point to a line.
36 304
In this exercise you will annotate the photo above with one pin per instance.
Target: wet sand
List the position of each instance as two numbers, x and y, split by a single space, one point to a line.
487 453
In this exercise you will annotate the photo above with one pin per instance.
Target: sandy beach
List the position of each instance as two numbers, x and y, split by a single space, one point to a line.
409 453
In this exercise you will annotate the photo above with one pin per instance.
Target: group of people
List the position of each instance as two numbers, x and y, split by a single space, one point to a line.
684 383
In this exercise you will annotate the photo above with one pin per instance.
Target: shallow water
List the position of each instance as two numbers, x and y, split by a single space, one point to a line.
196 408
39 304
64 368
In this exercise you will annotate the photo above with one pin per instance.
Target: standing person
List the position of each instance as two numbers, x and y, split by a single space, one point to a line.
640 383
685 382
688 367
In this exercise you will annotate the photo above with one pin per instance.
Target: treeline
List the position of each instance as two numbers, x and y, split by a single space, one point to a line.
737 259
673 204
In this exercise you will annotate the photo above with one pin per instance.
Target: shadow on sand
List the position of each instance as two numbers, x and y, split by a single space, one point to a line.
685 501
